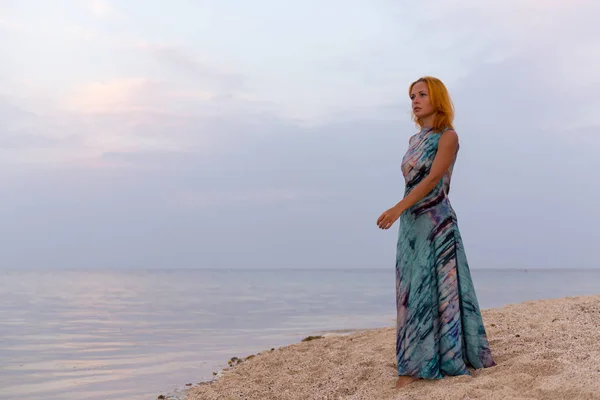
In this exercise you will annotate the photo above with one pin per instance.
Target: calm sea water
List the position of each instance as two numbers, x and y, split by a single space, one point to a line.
129 335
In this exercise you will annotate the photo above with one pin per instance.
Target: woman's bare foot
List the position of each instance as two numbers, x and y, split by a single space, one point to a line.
404 380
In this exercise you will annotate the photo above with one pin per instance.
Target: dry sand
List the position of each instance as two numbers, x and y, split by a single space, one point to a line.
547 349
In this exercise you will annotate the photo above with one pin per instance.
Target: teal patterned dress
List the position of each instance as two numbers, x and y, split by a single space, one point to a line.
439 327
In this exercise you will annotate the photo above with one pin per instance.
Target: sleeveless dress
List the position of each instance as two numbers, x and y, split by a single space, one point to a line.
439 327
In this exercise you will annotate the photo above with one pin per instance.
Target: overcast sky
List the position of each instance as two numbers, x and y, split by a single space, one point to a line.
269 133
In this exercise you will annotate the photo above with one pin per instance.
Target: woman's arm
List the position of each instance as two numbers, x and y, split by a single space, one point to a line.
446 152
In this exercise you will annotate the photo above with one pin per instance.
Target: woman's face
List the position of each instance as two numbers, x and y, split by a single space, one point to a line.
421 102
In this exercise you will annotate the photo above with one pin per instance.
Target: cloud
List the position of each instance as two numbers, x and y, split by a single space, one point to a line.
140 113
101 8
124 95
64 137
13 142
192 105
124 116
176 56
158 96
12 26
13 113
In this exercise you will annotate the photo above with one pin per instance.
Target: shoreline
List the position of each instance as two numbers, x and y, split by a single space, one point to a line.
180 392
544 349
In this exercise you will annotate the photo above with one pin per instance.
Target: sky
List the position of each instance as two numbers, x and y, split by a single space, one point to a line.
269 134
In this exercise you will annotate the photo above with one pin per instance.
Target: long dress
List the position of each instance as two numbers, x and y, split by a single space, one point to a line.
439 327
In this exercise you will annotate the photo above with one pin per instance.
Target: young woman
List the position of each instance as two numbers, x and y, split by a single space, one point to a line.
439 327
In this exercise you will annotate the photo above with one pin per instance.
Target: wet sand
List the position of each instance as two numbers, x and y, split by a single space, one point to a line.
546 349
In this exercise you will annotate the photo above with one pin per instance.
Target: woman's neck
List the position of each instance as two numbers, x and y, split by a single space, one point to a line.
428 121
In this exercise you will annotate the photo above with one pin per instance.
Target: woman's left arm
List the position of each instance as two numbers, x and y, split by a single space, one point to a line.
446 152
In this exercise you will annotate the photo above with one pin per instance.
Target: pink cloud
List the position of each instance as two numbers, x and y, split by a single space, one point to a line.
123 95
102 9
12 26
138 95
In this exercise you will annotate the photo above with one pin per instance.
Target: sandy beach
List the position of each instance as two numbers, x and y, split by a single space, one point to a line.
547 349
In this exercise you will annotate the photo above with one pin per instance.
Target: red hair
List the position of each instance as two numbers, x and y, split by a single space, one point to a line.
440 101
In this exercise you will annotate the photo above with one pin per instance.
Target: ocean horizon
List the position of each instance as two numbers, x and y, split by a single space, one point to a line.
134 334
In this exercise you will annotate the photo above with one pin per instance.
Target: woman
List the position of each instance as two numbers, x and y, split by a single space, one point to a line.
439 327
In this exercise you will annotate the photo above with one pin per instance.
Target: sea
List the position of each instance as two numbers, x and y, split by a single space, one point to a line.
138 334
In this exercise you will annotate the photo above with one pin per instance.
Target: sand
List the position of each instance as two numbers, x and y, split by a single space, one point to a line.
548 349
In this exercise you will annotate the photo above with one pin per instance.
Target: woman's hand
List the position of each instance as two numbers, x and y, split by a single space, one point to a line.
387 219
